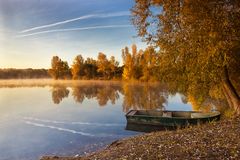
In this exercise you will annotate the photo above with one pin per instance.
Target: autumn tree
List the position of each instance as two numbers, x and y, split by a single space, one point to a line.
103 65
113 65
131 63
90 68
136 58
77 69
128 65
59 69
55 70
149 64
199 43
65 71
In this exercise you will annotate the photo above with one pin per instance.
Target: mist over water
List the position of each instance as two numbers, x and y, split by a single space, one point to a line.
45 117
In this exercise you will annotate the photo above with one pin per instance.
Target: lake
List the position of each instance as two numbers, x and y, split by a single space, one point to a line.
67 118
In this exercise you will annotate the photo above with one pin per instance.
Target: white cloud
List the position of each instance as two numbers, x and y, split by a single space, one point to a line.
105 15
73 29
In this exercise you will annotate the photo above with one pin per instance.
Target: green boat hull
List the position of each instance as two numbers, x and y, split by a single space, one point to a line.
178 118
147 128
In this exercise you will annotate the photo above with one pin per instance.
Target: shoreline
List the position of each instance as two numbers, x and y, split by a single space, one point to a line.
216 140
50 81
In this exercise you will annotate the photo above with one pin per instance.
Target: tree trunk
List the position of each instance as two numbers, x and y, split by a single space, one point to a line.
230 93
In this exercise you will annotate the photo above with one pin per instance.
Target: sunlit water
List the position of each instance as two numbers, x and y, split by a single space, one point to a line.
74 119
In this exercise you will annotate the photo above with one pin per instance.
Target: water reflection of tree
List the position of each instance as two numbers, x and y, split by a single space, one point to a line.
108 93
199 101
58 93
135 96
144 97
102 93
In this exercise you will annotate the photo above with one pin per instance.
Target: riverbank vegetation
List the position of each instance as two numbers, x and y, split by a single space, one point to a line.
199 45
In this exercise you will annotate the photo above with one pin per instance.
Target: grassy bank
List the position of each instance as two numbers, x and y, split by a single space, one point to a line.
217 140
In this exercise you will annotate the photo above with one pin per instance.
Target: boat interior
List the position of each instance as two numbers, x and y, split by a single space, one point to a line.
185 114
164 113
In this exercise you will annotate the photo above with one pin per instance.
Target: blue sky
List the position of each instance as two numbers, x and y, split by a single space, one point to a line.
32 31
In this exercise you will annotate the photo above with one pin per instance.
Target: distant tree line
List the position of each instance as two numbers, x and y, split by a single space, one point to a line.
138 65
12 73
102 68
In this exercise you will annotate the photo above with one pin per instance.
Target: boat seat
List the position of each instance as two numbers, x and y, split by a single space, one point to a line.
132 113
167 114
200 115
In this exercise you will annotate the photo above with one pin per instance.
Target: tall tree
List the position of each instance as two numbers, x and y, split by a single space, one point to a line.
90 68
128 65
78 67
199 42
113 65
131 63
136 58
59 69
55 70
149 63
103 65
65 70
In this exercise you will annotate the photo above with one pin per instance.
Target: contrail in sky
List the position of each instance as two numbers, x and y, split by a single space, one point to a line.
105 15
74 29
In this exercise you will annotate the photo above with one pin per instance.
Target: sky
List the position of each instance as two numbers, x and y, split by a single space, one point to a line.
32 31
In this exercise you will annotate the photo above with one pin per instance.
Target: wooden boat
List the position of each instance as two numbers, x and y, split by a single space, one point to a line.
170 118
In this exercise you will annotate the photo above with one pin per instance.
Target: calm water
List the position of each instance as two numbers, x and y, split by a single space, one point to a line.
65 119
